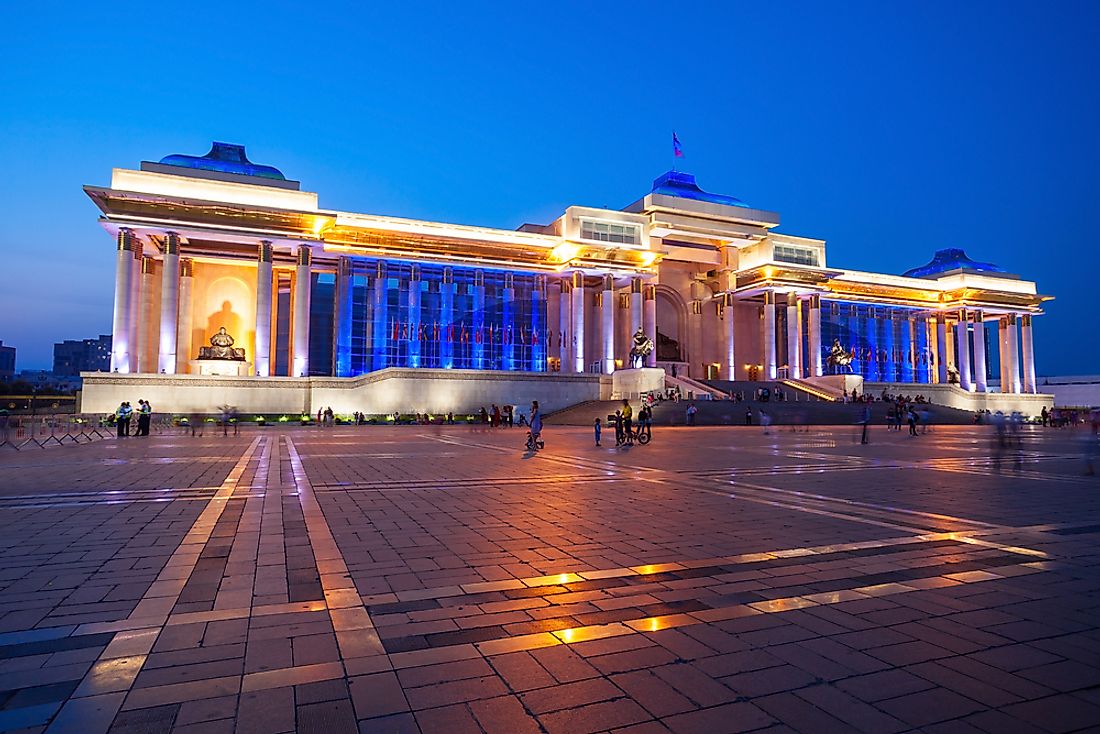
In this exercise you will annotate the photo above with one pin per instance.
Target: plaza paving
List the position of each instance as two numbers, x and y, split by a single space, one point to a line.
408 579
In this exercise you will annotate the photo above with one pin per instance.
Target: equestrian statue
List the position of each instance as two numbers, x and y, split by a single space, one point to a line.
641 347
839 358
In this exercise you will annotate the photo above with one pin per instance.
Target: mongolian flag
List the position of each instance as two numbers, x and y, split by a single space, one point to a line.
677 149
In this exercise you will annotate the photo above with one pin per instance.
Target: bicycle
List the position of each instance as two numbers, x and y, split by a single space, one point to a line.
642 437
534 443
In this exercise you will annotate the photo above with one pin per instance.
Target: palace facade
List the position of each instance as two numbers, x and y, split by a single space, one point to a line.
215 242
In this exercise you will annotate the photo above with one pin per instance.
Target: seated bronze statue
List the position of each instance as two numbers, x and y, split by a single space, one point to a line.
221 347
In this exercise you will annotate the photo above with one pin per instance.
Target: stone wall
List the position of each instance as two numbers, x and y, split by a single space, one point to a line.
385 391
954 396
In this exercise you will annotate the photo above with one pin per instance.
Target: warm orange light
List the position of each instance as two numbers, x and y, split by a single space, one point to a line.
564 252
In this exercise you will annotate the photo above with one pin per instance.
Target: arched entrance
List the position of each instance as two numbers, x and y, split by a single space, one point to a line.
672 333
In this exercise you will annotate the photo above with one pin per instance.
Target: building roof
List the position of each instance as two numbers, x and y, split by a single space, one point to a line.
224 158
682 185
948 260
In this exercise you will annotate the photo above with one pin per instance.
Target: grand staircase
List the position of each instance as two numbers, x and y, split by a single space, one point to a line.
800 408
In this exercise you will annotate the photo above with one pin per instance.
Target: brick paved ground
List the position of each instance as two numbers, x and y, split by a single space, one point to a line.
440 579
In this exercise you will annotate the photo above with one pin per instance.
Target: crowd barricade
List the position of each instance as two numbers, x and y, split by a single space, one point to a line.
40 431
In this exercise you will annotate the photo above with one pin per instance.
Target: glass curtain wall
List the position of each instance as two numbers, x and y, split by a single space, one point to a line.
443 317
888 343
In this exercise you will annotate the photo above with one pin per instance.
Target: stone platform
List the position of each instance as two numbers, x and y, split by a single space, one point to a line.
386 391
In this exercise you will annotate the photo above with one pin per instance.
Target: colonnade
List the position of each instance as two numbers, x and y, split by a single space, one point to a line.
137 334
1015 349
573 315
814 364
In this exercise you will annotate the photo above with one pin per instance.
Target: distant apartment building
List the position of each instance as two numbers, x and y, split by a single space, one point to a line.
72 356
7 362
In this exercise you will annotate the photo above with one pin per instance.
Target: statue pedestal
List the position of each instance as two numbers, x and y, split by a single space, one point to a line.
230 367
628 384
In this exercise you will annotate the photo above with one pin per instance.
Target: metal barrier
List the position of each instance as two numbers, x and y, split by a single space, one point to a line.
21 431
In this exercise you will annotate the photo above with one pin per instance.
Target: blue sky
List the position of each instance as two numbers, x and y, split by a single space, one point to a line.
887 129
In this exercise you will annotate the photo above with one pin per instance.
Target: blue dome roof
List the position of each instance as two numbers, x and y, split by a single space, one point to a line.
944 261
226 158
683 185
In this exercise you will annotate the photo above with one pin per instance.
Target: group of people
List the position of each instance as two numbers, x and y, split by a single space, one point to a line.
498 417
902 410
623 423
124 414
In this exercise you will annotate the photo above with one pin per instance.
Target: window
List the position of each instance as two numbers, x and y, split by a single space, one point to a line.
626 234
796 255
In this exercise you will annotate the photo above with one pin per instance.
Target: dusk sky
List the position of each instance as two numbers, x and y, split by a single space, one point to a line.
887 129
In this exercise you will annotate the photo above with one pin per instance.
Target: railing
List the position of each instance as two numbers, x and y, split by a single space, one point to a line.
41 431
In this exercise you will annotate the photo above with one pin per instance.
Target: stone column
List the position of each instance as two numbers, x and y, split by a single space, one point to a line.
979 352
1013 347
341 318
794 338
147 322
1028 349
413 359
607 333
578 333
817 366
696 353
729 321
262 356
771 369
120 325
508 323
962 353
536 361
636 317
169 304
135 306
649 321
478 338
382 329
941 349
565 325
300 362
184 325
446 318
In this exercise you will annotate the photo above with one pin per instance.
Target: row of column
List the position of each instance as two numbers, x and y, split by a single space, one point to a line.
134 325
642 308
970 356
815 368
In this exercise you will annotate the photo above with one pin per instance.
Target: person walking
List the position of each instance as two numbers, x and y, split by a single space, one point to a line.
765 421
597 428
748 416
536 421
911 418
691 411
865 419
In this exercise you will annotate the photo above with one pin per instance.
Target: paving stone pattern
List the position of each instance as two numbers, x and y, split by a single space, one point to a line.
429 579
